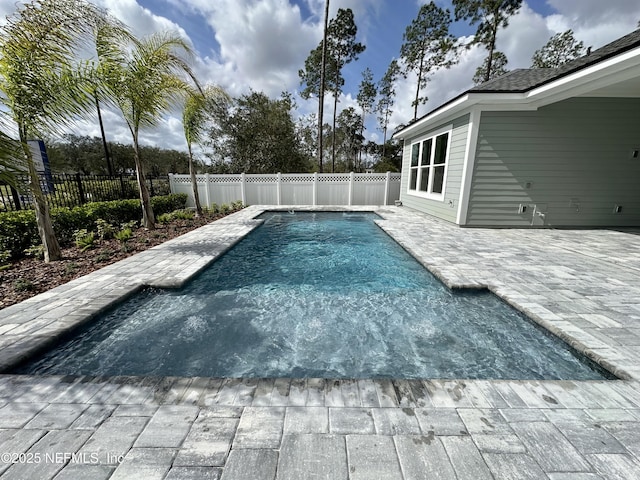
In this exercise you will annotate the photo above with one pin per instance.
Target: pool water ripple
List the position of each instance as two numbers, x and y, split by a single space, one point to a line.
316 295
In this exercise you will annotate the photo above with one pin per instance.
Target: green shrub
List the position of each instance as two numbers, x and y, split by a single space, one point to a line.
5 257
175 215
103 257
124 235
168 203
21 285
164 218
237 205
18 231
131 225
214 208
37 251
70 268
84 239
183 215
225 209
104 229
66 221
114 212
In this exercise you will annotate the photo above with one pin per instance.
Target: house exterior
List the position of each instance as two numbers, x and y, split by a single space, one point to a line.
534 148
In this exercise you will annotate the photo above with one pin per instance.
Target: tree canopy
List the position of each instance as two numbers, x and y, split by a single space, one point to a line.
74 153
427 46
386 100
256 135
499 68
490 16
560 49
366 99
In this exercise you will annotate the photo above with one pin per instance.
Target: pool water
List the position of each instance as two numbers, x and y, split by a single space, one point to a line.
316 295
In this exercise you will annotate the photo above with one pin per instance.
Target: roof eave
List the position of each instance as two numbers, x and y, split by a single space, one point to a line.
459 106
458 103
578 82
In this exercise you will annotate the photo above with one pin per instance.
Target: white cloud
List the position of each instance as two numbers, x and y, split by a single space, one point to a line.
527 32
587 13
593 21
141 20
261 44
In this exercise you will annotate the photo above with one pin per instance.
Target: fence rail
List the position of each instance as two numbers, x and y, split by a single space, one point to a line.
292 188
71 190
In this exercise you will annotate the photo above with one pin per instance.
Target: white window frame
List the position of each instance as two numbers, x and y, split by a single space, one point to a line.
421 142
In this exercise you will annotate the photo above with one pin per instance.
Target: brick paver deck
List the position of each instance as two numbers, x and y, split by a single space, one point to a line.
582 285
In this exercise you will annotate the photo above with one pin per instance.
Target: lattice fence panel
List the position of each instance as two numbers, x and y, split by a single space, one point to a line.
291 189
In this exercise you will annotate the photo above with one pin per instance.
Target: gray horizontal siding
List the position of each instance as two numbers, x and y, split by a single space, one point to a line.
440 209
575 154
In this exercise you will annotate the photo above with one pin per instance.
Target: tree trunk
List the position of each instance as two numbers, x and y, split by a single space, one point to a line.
384 137
194 183
50 243
148 218
104 138
333 132
361 147
487 73
322 81
415 107
492 47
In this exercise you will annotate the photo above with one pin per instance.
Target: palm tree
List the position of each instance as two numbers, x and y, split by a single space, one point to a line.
143 78
40 86
196 112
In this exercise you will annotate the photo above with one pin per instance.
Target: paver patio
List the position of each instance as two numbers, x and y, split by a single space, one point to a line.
584 285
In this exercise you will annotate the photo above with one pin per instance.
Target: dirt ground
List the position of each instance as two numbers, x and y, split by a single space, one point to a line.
30 276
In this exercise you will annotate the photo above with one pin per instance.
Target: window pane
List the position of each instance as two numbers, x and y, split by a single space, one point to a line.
415 151
426 152
413 179
424 179
438 179
441 148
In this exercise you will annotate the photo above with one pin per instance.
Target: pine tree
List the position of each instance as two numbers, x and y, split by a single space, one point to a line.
560 49
366 98
498 68
490 15
427 46
387 90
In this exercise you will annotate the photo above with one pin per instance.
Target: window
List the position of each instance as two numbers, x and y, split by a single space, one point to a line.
428 166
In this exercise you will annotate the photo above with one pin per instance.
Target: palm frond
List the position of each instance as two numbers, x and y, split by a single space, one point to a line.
39 78
145 77
198 108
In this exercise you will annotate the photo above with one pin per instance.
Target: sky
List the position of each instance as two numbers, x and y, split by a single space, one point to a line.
244 45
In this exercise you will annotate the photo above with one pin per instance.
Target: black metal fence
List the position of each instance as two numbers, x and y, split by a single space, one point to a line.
71 190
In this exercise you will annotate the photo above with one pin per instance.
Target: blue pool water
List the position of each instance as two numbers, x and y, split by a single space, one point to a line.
316 295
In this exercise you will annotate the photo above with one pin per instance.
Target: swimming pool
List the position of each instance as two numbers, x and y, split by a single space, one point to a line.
316 295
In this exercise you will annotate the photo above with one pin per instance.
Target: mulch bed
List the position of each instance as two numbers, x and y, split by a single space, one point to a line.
30 276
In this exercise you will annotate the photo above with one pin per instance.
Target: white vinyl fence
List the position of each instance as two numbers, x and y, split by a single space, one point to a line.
292 188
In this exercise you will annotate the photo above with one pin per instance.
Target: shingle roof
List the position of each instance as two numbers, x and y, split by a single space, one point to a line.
519 80
522 80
